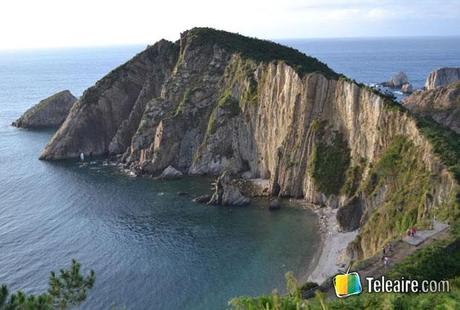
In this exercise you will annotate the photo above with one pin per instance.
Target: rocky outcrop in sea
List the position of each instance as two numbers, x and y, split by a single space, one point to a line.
50 112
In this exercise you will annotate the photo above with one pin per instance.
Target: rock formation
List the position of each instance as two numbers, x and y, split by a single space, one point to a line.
401 82
170 173
48 113
216 101
442 77
442 104
227 192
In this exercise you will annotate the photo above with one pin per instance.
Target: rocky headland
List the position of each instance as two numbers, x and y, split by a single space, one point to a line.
442 77
441 103
48 113
217 102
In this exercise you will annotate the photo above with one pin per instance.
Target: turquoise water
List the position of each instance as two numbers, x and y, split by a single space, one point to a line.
150 248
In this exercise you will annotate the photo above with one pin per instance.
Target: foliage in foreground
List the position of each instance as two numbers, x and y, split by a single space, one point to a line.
65 290
438 261
294 301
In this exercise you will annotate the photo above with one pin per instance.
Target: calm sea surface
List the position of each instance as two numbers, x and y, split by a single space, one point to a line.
150 248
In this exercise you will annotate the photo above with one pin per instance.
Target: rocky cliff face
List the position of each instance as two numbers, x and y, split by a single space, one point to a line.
50 112
108 114
224 102
442 104
442 77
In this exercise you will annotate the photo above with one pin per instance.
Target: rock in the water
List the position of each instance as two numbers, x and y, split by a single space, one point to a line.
441 104
48 113
170 173
274 205
442 77
202 199
227 192
397 81
407 88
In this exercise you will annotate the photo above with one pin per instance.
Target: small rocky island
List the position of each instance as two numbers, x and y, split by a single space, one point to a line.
215 102
48 113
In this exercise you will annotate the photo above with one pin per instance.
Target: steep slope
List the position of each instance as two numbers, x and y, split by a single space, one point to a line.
110 108
227 102
442 104
49 112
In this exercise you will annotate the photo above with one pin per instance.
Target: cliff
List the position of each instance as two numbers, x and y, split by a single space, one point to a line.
216 101
442 77
442 104
49 112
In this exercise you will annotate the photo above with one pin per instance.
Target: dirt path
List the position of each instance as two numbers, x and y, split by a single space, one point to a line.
401 249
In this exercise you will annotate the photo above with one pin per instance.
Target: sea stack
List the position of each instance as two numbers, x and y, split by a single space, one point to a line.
48 113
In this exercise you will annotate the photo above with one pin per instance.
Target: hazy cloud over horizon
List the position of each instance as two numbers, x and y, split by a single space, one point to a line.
57 23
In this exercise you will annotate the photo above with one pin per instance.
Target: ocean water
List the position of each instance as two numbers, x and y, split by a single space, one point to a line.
149 247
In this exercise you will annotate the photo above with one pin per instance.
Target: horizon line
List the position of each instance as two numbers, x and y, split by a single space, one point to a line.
133 44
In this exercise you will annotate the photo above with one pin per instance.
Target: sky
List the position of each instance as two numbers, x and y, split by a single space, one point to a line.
65 23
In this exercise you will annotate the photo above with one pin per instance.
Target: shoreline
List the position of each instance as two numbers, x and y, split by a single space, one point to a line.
331 258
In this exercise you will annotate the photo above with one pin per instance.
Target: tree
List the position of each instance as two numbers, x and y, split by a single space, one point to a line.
67 289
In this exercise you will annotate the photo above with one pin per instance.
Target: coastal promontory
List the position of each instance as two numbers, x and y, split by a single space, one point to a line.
215 102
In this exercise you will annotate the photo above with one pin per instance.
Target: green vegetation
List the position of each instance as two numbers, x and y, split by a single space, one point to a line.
229 104
407 185
329 160
438 261
352 180
370 301
260 50
181 106
66 290
445 142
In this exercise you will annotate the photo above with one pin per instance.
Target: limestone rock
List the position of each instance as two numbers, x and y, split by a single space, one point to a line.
48 113
170 173
397 81
407 88
202 199
442 77
442 104
349 216
227 192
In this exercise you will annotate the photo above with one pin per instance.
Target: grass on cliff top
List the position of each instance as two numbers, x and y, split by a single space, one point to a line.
260 50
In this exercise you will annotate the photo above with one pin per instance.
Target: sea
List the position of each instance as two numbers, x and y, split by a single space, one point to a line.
151 247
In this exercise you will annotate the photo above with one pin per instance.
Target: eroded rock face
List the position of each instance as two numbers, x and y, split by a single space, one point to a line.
309 132
442 104
442 77
227 192
48 113
397 81
171 173
349 216
109 111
